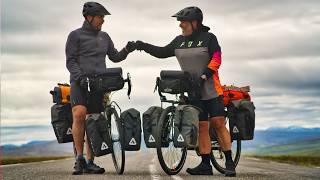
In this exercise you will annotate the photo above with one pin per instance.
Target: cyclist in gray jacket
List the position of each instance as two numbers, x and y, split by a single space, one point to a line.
86 50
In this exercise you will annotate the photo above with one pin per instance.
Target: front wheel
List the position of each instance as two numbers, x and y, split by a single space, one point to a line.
116 134
170 158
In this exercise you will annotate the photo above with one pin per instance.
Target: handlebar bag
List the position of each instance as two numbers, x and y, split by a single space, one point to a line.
110 80
174 82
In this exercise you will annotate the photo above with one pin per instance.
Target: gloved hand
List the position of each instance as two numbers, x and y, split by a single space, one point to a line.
140 45
83 81
131 46
207 73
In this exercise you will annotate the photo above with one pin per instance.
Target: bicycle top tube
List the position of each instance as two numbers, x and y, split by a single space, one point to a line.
171 101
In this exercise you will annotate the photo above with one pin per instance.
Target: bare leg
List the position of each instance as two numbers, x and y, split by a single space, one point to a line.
89 153
222 132
79 115
204 138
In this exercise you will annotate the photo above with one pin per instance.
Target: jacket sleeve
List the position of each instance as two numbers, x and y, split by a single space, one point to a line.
160 52
72 54
215 54
113 53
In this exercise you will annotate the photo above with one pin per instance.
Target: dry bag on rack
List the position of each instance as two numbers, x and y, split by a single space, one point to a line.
61 94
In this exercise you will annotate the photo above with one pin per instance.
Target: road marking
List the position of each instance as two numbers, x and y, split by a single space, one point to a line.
176 177
252 158
153 170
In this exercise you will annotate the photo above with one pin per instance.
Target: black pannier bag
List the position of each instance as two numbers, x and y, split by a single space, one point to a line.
110 80
174 82
150 119
61 120
132 129
186 126
241 114
98 134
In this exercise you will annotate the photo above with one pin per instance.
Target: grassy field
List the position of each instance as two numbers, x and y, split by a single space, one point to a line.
292 159
15 160
304 153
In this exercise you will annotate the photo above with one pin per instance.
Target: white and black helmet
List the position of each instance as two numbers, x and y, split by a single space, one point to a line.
94 9
189 14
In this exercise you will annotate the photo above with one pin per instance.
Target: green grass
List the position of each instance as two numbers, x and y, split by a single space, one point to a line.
292 159
15 160
309 148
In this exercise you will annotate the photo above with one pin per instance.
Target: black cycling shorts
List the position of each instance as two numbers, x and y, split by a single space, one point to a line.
92 101
210 108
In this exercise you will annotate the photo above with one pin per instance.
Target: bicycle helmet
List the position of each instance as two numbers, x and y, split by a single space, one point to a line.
94 9
189 14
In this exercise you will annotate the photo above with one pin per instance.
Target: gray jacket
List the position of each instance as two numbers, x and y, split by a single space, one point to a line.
86 50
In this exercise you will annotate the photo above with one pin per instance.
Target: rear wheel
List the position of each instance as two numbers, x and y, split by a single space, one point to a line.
116 134
170 158
217 156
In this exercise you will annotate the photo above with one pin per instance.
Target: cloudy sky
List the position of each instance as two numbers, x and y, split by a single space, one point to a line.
271 46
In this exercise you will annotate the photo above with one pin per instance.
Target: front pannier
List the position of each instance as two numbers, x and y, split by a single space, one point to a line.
98 134
186 126
150 119
132 129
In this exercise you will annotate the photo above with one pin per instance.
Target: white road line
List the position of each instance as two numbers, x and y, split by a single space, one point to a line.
252 158
153 171
176 177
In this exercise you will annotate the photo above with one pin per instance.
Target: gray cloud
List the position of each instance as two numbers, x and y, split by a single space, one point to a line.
269 45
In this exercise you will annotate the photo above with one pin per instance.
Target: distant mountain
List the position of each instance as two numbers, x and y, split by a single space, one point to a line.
294 129
38 148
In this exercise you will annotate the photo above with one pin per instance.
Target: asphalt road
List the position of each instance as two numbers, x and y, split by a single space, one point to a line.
145 165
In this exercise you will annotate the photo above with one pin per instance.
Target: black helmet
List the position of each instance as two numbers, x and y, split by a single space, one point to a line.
94 9
189 14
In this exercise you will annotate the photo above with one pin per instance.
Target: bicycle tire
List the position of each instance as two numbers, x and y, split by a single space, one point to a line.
117 143
162 129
